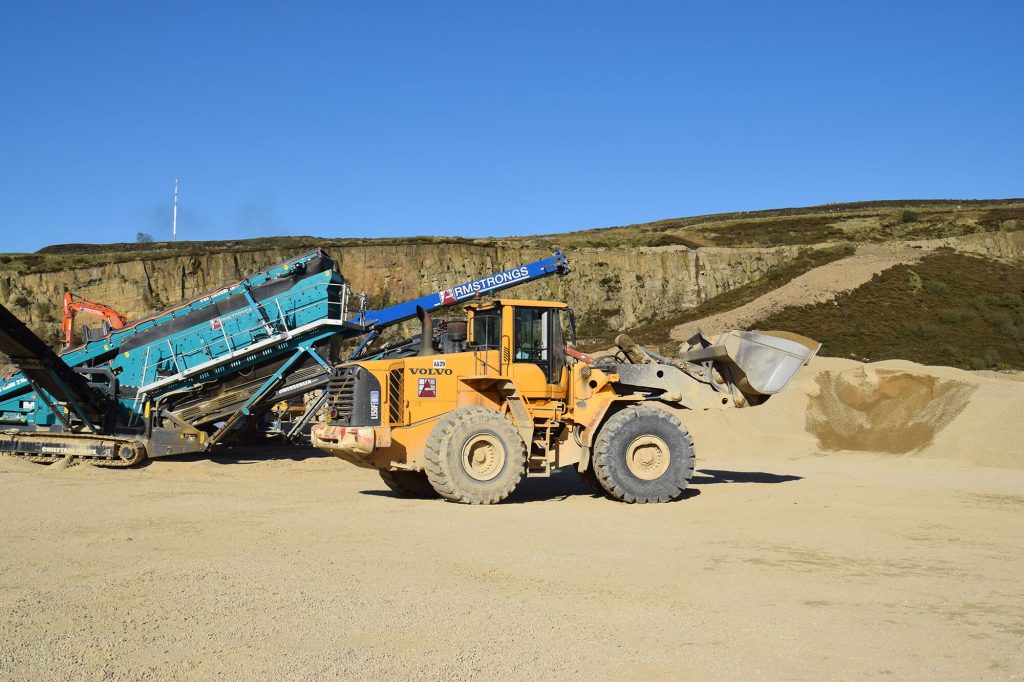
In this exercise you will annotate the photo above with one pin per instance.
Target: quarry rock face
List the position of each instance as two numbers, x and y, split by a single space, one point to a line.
620 287
1007 246
611 288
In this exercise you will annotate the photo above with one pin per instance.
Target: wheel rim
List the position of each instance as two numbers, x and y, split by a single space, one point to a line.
483 457
648 457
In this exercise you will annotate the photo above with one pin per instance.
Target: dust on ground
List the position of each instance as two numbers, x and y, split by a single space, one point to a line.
785 560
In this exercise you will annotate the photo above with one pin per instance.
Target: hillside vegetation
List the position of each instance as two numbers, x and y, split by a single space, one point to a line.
948 309
657 334
873 221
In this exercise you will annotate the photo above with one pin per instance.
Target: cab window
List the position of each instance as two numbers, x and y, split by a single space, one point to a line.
537 339
531 339
487 329
558 346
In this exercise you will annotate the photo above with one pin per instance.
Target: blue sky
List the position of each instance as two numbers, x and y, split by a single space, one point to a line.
387 119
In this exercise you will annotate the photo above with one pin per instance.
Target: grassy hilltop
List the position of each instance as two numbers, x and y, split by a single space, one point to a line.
949 308
870 221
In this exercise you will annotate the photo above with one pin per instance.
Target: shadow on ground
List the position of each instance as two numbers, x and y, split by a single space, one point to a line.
564 483
719 476
248 454
561 485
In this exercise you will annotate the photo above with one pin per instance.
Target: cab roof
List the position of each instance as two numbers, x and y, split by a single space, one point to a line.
516 302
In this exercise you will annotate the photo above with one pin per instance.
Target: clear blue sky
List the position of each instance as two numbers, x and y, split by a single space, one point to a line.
478 118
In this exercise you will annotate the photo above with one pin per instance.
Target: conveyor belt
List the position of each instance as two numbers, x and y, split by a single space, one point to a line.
43 368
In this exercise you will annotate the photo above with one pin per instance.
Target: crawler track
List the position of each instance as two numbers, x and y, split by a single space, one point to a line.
47 448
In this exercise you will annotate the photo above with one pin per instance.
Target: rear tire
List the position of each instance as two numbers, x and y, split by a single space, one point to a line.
475 456
411 484
643 454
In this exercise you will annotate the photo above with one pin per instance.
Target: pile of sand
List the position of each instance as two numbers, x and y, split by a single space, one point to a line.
892 407
884 410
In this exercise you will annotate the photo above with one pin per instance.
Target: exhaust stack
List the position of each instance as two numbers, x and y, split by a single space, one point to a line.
426 331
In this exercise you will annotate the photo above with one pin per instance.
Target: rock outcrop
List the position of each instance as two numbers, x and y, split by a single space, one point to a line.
611 287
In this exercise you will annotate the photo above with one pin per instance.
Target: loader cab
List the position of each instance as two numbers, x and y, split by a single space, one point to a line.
529 336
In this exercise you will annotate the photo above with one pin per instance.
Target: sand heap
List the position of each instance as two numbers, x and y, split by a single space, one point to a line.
883 410
892 407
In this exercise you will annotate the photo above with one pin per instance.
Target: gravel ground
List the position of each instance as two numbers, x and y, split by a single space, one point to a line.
775 566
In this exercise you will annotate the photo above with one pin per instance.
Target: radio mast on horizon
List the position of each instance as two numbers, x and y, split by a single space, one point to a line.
174 219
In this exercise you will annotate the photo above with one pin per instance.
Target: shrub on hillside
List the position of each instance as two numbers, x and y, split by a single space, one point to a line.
914 280
672 240
44 310
925 330
1010 299
950 316
976 323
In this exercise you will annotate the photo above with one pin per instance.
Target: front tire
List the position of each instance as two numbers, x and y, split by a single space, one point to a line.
475 456
643 454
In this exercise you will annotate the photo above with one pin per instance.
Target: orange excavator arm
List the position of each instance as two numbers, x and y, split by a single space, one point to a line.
74 304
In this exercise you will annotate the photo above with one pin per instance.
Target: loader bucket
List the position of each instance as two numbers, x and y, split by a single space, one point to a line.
761 364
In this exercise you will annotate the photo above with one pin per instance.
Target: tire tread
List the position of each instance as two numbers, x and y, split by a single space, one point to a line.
437 462
609 478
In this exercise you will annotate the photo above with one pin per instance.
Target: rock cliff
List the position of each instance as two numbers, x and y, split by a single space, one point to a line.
611 288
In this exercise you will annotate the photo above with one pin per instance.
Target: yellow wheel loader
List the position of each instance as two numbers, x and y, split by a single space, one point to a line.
470 407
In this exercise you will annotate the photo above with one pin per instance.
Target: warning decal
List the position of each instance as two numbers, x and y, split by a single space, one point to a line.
427 388
447 297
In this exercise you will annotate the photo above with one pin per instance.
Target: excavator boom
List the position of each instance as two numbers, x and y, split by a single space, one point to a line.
74 304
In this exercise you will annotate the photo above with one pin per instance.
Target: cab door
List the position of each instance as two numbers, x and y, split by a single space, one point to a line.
538 352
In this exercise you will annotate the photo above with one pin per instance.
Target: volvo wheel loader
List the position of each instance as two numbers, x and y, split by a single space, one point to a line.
471 406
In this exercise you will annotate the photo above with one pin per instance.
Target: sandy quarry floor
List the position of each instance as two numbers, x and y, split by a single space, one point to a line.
783 563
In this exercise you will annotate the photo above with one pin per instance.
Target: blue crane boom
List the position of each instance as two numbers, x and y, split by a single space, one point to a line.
556 264
197 374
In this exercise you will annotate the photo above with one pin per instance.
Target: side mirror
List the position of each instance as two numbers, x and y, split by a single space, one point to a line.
572 327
